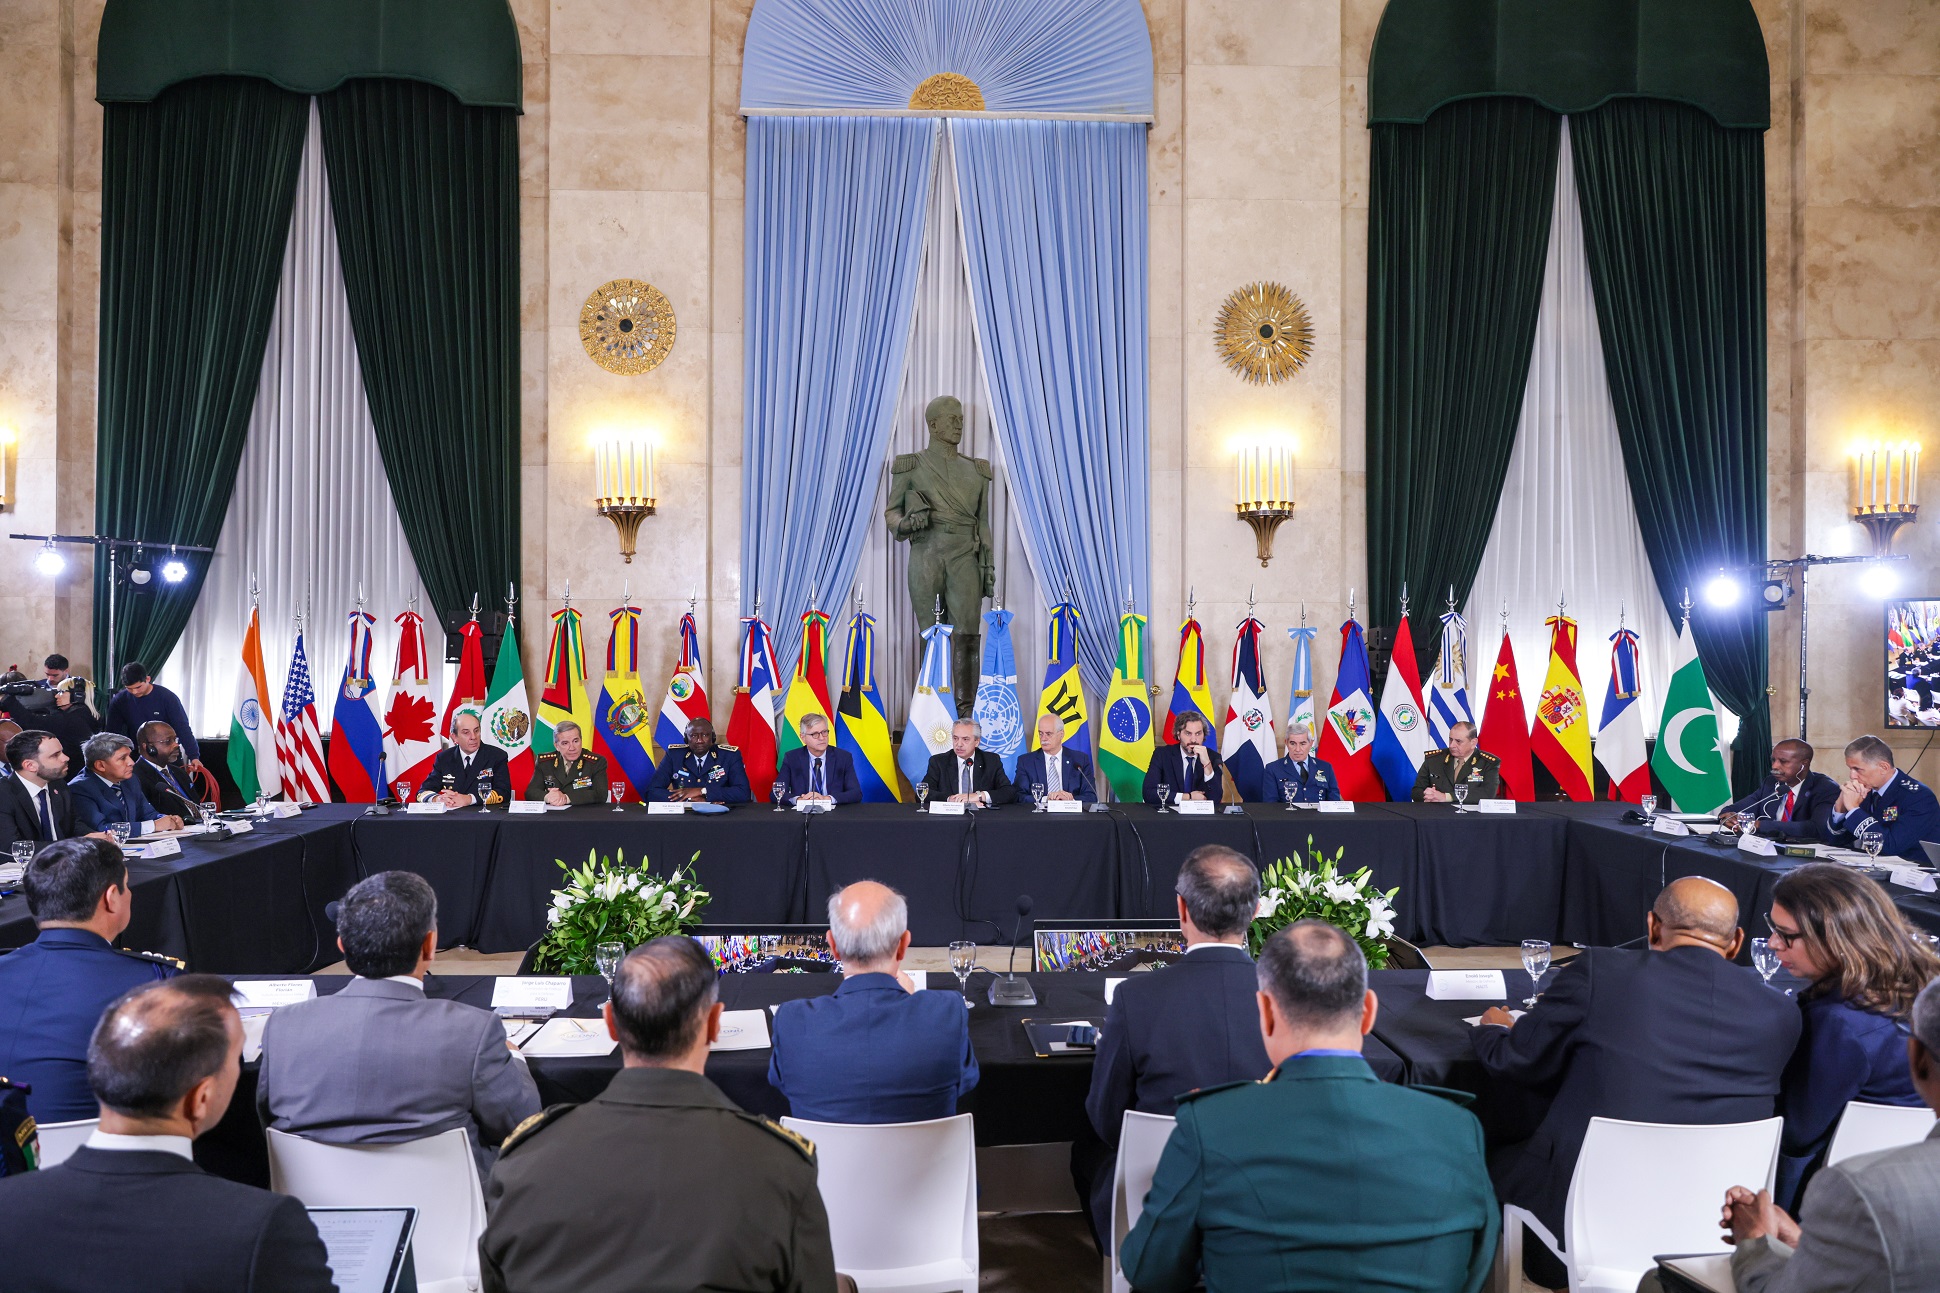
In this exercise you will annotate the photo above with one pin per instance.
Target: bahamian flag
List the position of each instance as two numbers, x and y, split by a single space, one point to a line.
564 695
1300 711
860 727
808 693
1064 693
686 698
1125 736
1189 691
1448 685
932 708
1247 743
997 709
1688 759
356 740
622 722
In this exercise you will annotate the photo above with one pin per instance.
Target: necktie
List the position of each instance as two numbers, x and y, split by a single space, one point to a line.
964 778
815 781
1053 766
1785 814
1305 772
46 815
1185 779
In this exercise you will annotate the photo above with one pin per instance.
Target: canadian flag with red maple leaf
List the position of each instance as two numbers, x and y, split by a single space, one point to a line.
410 714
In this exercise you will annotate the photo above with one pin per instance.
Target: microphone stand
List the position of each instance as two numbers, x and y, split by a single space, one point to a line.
1008 989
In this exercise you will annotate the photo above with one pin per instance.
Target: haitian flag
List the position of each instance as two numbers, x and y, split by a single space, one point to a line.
860 727
1064 692
1188 682
356 741
751 726
621 719
1401 739
410 714
999 715
1248 744
1347 732
686 698
1620 741
1505 726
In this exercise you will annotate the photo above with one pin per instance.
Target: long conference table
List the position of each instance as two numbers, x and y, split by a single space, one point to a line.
1571 873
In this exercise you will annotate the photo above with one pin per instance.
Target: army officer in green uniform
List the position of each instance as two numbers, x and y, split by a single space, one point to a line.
1460 764
568 775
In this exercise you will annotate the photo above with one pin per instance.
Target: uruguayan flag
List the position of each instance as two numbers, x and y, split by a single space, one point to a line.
1448 685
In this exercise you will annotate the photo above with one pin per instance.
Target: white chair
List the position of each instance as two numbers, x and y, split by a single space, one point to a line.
1640 1189
437 1175
59 1139
1864 1128
1141 1139
902 1202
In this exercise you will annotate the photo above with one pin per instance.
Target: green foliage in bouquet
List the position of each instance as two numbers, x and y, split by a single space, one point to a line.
607 901
1315 889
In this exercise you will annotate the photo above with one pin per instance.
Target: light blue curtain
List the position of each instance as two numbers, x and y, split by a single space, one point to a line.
1054 224
834 242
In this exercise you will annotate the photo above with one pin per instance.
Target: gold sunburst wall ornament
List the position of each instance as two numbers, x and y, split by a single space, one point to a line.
1264 333
947 92
627 326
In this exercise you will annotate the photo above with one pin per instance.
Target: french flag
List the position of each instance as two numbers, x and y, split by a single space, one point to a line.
1620 741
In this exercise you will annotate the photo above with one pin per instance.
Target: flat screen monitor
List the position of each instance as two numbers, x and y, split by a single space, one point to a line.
369 1249
1913 663
1117 946
767 949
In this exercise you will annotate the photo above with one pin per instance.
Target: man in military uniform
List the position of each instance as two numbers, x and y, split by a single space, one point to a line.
568 775
701 769
1310 780
939 500
469 772
1460 764
53 990
605 1196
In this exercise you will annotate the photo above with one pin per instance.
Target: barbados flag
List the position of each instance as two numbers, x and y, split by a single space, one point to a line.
564 695
1189 682
860 727
809 692
622 723
1064 693
356 740
686 698
997 711
1125 736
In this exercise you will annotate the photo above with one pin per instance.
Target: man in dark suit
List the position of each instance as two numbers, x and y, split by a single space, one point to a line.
53 990
1063 775
1878 796
1191 769
1172 1030
701 770
817 772
1794 803
108 791
163 1062
468 772
34 802
169 780
876 1051
1310 779
1675 1033
966 774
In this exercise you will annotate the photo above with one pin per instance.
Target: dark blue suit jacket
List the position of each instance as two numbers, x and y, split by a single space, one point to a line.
1844 1054
1316 784
721 771
838 775
98 802
52 993
873 1053
1168 768
1811 810
1074 774
1905 809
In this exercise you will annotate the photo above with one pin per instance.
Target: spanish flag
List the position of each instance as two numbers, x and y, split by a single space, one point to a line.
860 727
809 692
1189 683
564 696
1125 737
1064 692
1561 738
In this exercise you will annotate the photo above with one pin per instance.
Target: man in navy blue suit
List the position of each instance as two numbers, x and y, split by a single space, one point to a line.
1878 795
1312 780
108 791
876 1051
1191 769
817 772
1794 803
1063 775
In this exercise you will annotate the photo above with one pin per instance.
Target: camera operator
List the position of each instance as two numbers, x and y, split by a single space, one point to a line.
61 710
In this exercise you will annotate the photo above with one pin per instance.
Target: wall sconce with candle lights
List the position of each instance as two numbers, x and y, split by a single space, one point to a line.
624 473
1263 491
1885 491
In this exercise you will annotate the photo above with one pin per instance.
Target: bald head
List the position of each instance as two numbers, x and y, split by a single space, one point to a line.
1695 912
868 927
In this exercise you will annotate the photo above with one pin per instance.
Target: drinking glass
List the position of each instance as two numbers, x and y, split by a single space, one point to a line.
1872 839
1037 796
780 792
262 803
1535 959
404 792
23 851
1747 825
120 831
608 957
1461 793
1289 792
922 789
209 810
1649 804
480 790
1764 958
963 959
1165 796
616 791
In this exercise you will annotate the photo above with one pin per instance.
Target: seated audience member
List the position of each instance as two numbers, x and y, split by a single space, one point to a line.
817 772
1063 773
660 1181
108 791
53 990
143 700
1319 1176
966 773
1793 803
1311 778
378 1062
1190 769
1191 1025
875 1051
130 1209
1839 931
34 802
169 780
1879 797
1675 1033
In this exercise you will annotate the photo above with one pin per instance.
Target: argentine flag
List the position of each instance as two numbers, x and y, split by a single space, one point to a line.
932 709
997 710
1300 710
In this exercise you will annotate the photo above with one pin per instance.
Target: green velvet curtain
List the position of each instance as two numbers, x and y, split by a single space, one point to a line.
1674 222
1457 232
426 196
196 193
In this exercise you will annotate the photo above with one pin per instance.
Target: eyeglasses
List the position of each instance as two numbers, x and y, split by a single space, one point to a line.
1782 937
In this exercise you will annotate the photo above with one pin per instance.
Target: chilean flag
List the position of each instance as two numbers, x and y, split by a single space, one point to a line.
1347 730
751 727
1401 738
686 698
1620 741
1248 743
356 740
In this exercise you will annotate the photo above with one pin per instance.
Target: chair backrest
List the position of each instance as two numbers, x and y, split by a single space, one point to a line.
1864 1128
59 1139
1141 1139
436 1175
898 1194
1643 1188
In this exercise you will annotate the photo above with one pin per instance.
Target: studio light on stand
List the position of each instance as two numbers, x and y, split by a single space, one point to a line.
1879 581
173 570
126 567
49 561
1724 590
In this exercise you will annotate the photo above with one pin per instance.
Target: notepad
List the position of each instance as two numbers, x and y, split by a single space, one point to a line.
742 1030
560 1037
1710 1271
267 994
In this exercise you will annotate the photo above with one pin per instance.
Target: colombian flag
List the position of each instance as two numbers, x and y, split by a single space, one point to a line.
860 727
1125 737
1064 693
1189 683
622 722
809 692
564 696
1560 740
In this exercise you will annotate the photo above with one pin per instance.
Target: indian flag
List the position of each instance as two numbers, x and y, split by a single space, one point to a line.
252 725
1125 737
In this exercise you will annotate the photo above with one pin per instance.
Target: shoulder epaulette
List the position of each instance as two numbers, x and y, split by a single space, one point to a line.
1197 1092
1432 753
1461 1099
723 745
1492 758
801 1144
532 1126
682 747
904 462
548 755
983 465
153 958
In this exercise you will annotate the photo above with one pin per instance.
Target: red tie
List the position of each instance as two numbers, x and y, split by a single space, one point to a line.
1786 815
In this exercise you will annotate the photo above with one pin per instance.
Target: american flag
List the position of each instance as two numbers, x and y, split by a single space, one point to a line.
299 742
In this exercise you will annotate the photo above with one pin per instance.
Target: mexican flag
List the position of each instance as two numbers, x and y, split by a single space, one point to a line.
1125 737
252 722
508 713
1688 759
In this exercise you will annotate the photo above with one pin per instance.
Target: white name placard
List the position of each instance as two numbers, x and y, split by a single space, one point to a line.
665 807
1912 878
532 993
1335 805
1498 806
1197 807
267 994
519 806
947 808
1467 985
432 807
1758 844
286 810
1111 987
239 828
1669 826
1063 806
167 846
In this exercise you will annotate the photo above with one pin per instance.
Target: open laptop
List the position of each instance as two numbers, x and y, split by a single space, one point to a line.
369 1249
1114 946
767 949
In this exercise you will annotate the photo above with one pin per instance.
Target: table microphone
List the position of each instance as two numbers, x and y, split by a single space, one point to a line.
1009 990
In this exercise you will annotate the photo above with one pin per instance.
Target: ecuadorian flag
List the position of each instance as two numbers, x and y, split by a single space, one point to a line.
860 727
1125 737
1064 693
809 692
622 721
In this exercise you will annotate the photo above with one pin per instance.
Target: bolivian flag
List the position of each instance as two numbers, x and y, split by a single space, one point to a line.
809 692
1125 738
1064 693
564 695
860 727
1189 683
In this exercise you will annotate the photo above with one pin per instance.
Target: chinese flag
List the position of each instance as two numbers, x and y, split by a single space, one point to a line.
1505 727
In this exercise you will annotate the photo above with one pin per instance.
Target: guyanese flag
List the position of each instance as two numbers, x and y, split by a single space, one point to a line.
1125 737
564 695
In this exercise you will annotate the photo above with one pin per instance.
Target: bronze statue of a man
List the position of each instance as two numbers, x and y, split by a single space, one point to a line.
939 501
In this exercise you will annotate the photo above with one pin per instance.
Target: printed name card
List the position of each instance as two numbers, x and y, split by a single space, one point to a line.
528 992
1467 985
239 828
1063 806
664 808
945 808
1912 878
518 806
813 805
168 846
1111 987
1669 826
432 807
1335 805
1196 807
1758 844
1498 806
267 994
286 810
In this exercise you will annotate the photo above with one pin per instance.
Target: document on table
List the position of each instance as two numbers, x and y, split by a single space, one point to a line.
1705 1271
560 1037
742 1030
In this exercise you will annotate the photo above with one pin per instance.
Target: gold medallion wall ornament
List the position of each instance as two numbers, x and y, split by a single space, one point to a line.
947 92
1264 333
627 326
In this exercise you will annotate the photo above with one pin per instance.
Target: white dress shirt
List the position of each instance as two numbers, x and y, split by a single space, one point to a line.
110 1140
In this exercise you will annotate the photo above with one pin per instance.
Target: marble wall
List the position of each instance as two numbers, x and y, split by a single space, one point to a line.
632 165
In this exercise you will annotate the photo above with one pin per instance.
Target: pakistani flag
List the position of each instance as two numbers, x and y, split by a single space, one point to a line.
1125 737
932 710
996 708
1688 759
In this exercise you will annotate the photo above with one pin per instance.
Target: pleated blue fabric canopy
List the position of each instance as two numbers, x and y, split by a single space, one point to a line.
1033 57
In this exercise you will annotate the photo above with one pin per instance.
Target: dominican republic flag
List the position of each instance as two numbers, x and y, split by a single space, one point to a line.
1248 743
686 698
1300 710
1347 731
1620 741
410 712
356 739
1447 691
1401 739
751 727
299 744
932 707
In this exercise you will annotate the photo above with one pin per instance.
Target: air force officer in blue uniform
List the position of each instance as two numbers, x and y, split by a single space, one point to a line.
700 769
1063 775
108 792
1312 780
53 990
1877 794
817 772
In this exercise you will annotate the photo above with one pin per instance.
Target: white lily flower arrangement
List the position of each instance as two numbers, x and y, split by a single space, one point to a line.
607 901
1316 889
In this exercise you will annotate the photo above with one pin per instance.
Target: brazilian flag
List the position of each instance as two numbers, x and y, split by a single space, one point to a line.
1125 737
